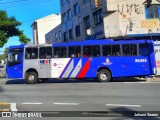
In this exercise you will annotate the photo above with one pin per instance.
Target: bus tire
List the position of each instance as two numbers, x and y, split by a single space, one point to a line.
32 78
104 76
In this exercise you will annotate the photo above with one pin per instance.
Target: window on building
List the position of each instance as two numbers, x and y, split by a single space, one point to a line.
63 2
153 11
59 34
69 14
86 1
65 37
98 17
56 36
76 9
64 18
77 30
31 53
87 22
70 34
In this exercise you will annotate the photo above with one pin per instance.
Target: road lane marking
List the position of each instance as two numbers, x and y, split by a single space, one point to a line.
31 103
13 107
66 103
123 105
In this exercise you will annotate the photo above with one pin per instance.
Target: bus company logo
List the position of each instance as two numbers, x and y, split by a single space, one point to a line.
55 64
58 64
107 62
45 61
140 60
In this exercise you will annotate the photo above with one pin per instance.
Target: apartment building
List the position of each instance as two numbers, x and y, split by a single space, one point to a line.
132 18
98 19
43 26
82 19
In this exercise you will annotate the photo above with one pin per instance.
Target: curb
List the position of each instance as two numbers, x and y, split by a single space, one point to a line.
5 110
4 104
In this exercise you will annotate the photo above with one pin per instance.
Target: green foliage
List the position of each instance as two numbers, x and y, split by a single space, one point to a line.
9 27
4 55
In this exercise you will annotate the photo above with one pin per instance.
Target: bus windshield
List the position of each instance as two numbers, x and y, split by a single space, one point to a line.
15 55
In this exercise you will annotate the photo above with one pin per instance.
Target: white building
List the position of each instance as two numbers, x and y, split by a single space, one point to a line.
43 26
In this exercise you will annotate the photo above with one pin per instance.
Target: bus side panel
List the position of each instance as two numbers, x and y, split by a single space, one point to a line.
15 71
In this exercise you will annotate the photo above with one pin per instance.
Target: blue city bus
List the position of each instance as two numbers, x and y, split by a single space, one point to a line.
101 59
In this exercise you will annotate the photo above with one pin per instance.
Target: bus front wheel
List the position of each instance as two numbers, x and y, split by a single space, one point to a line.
104 76
32 78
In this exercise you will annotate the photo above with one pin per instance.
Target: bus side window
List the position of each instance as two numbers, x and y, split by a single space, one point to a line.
42 52
86 51
106 50
133 49
63 52
71 51
31 53
56 52
126 50
116 50
28 52
49 52
96 51
143 49
78 51
34 53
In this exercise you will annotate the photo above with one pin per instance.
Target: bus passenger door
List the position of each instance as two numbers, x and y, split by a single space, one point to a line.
14 67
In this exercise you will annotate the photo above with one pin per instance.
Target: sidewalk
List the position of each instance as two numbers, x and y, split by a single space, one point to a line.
153 79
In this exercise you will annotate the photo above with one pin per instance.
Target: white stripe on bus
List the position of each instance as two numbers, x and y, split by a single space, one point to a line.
76 69
68 70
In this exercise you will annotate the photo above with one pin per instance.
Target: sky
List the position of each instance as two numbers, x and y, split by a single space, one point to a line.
27 11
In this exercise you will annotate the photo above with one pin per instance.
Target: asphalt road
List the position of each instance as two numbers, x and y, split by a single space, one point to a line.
83 98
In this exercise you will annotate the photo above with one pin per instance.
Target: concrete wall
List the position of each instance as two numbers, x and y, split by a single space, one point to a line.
44 25
129 13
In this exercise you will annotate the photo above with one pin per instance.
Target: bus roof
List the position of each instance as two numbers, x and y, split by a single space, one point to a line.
100 42
86 42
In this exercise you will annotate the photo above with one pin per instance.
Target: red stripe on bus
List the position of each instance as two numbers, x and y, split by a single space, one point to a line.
84 69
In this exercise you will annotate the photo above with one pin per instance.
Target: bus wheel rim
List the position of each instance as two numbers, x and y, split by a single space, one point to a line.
31 77
103 76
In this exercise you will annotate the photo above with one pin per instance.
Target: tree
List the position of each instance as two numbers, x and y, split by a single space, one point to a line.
9 27
4 55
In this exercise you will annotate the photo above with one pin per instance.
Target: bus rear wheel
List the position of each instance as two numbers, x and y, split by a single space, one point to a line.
32 78
104 75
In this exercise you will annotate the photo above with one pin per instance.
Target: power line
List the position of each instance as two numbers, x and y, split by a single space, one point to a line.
14 2
23 4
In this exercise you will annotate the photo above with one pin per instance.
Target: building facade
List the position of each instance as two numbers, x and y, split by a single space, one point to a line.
98 19
43 26
133 19
54 36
